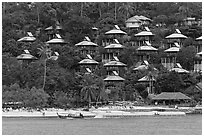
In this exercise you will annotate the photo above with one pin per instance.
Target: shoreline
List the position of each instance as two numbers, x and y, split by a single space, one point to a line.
104 112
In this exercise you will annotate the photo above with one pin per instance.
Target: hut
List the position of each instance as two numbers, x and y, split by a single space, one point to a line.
52 30
112 50
137 21
88 62
170 57
115 33
171 98
114 65
178 68
176 37
143 36
28 38
87 47
26 57
56 41
145 51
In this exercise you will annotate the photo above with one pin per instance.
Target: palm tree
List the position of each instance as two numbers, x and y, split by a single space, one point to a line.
45 54
126 8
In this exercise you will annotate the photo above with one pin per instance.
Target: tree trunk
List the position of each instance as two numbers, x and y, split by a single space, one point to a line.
44 74
115 11
81 9
38 14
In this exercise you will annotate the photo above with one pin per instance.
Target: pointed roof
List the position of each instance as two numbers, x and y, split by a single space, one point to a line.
200 53
57 40
146 32
28 38
58 27
114 46
113 78
115 63
147 47
200 38
173 49
137 18
26 56
178 68
171 96
88 62
176 34
146 79
86 42
116 30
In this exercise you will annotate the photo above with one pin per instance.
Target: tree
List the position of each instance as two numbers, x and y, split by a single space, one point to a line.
186 57
45 53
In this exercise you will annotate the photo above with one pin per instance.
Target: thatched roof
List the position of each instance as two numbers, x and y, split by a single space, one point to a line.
115 63
51 28
171 96
27 39
146 79
26 57
86 43
147 48
179 70
172 49
114 46
88 62
56 41
137 18
200 38
114 78
116 30
144 33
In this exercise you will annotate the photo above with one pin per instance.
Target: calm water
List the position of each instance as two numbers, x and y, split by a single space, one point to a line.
165 125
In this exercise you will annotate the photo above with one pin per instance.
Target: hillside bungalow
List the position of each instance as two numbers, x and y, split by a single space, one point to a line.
171 98
115 33
89 63
28 38
87 47
136 21
115 65
111 51
176 37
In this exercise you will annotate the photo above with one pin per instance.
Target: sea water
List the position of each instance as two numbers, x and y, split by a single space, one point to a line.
143 125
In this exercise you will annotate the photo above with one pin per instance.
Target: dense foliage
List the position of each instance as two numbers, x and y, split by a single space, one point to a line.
64 87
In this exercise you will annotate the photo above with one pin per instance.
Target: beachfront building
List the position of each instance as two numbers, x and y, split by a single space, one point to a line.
198 57
26 57
115 33
52 30
144 52
137 21
88 64
141 37
169 60
176 37
87 47
29 38
57 40
111 51
171 98
115 65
